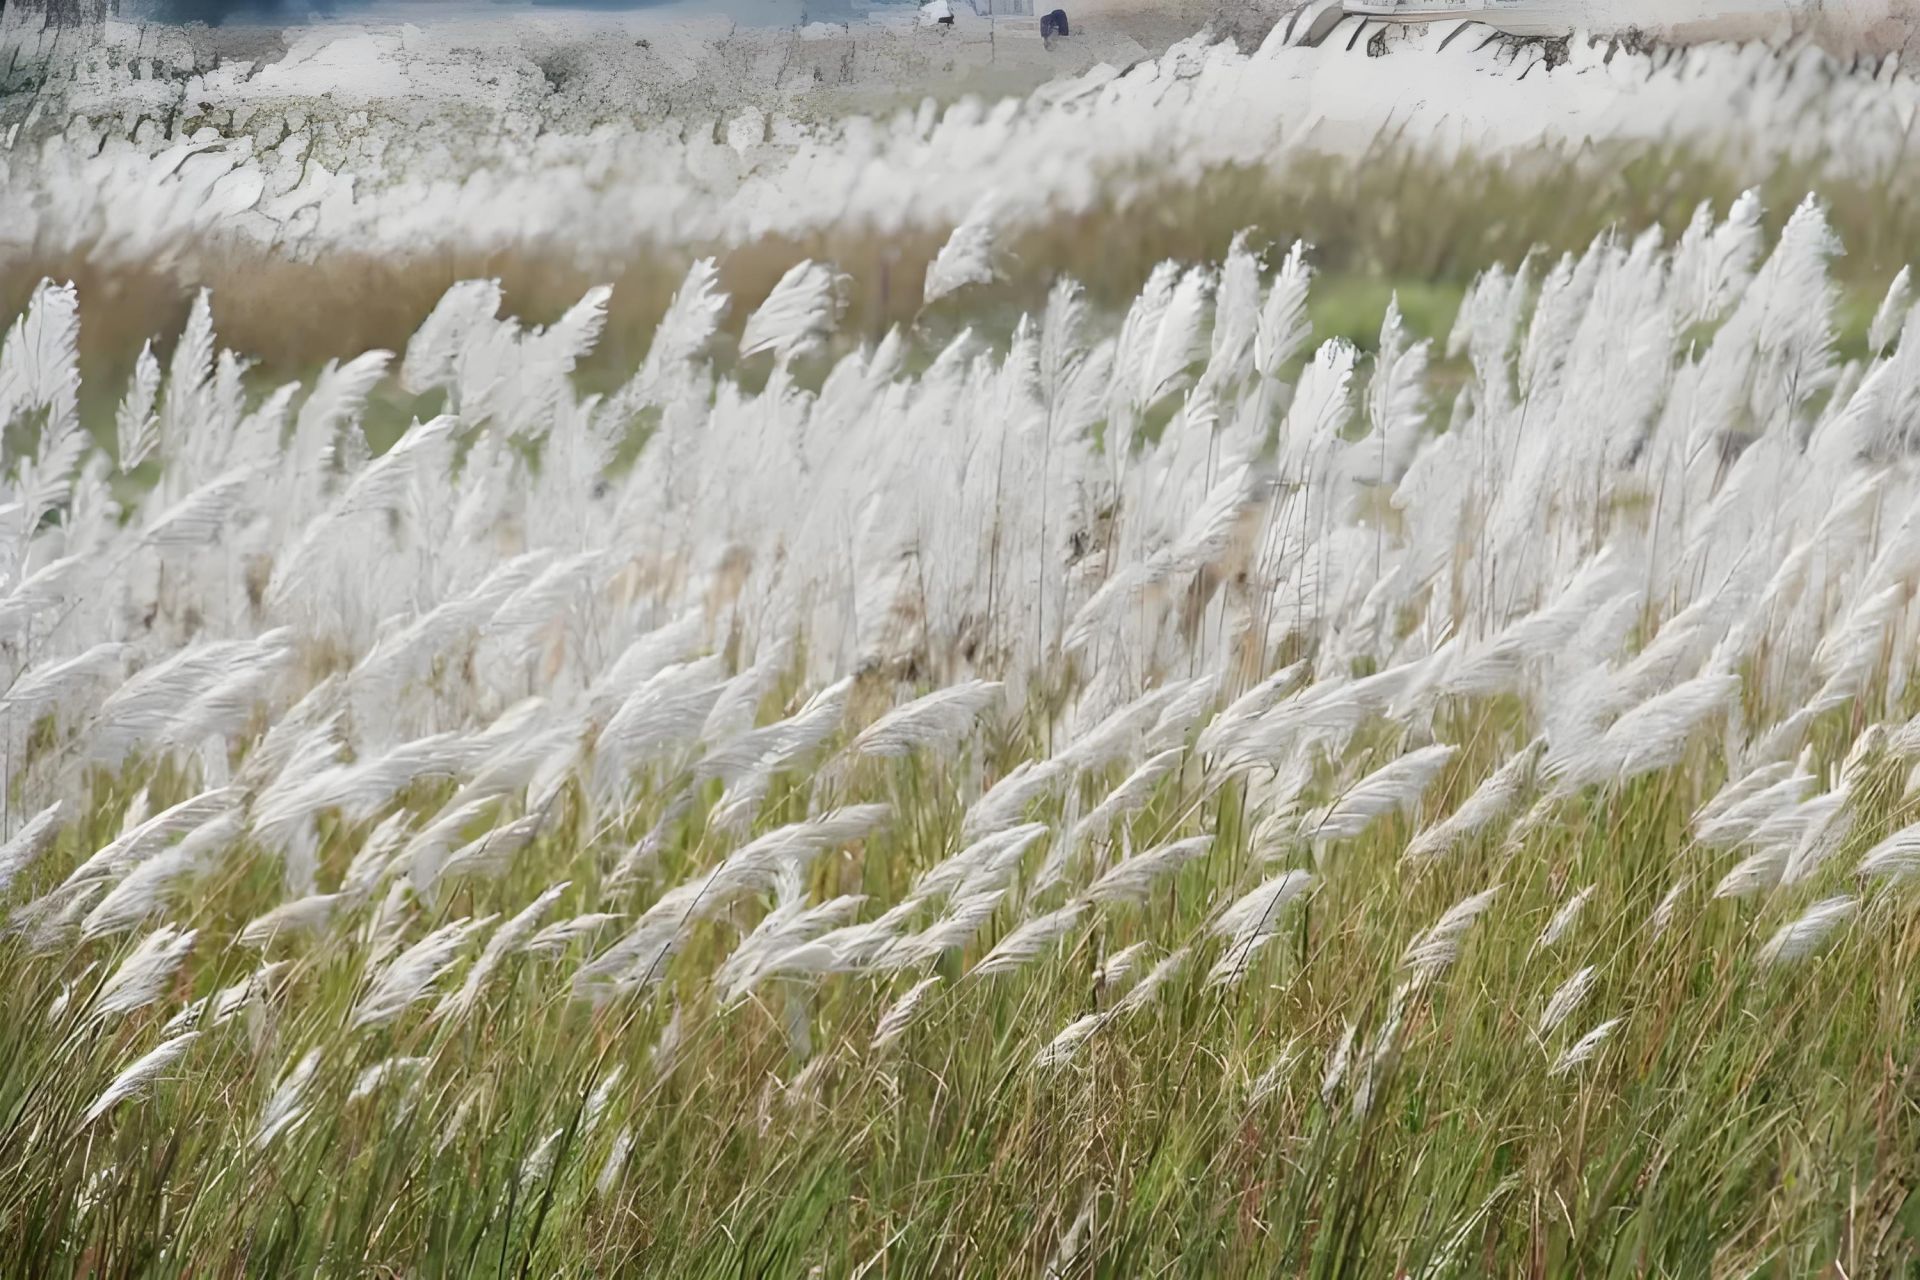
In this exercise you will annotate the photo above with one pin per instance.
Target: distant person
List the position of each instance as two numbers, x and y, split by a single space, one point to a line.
1054 24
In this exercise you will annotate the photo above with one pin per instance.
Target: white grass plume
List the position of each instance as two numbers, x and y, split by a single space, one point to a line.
18 854
557 937
1567 998
615 1163
1229 728
1335 1071
1564 919
1147 990
935 723
375 1077
1801 938
1006 803
145 974
1116 736
143 893
963 919
136 425
1269 1082
1896 857
1029 941
1585 1047
125 852
1181 712
1129 797
144 1072
286 1109
1385 1052
990 862
901 1014
1067 1250
601 1098
505 940
410 976
796 315
1134 879
147 888
1062 1049
1437 947
1395 787
1491 801
967 256
302 915
1119 966
1251 921
1892 314
1651 736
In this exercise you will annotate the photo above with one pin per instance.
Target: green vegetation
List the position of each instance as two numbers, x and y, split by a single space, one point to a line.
1740 1120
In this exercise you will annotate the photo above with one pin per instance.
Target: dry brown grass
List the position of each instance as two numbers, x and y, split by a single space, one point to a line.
1391 221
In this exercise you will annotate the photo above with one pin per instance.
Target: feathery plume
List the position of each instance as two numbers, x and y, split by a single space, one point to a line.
1251 922
145 974
285 1109
1799 939
142 1074
900 1015
1029 940
1438 947
935 723
410 976
1563 1002
1133 880
1585 1047
1563 919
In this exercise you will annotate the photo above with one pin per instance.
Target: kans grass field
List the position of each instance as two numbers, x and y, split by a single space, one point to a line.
1361 750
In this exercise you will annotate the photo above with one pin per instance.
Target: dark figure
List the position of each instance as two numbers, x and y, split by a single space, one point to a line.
1054 24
